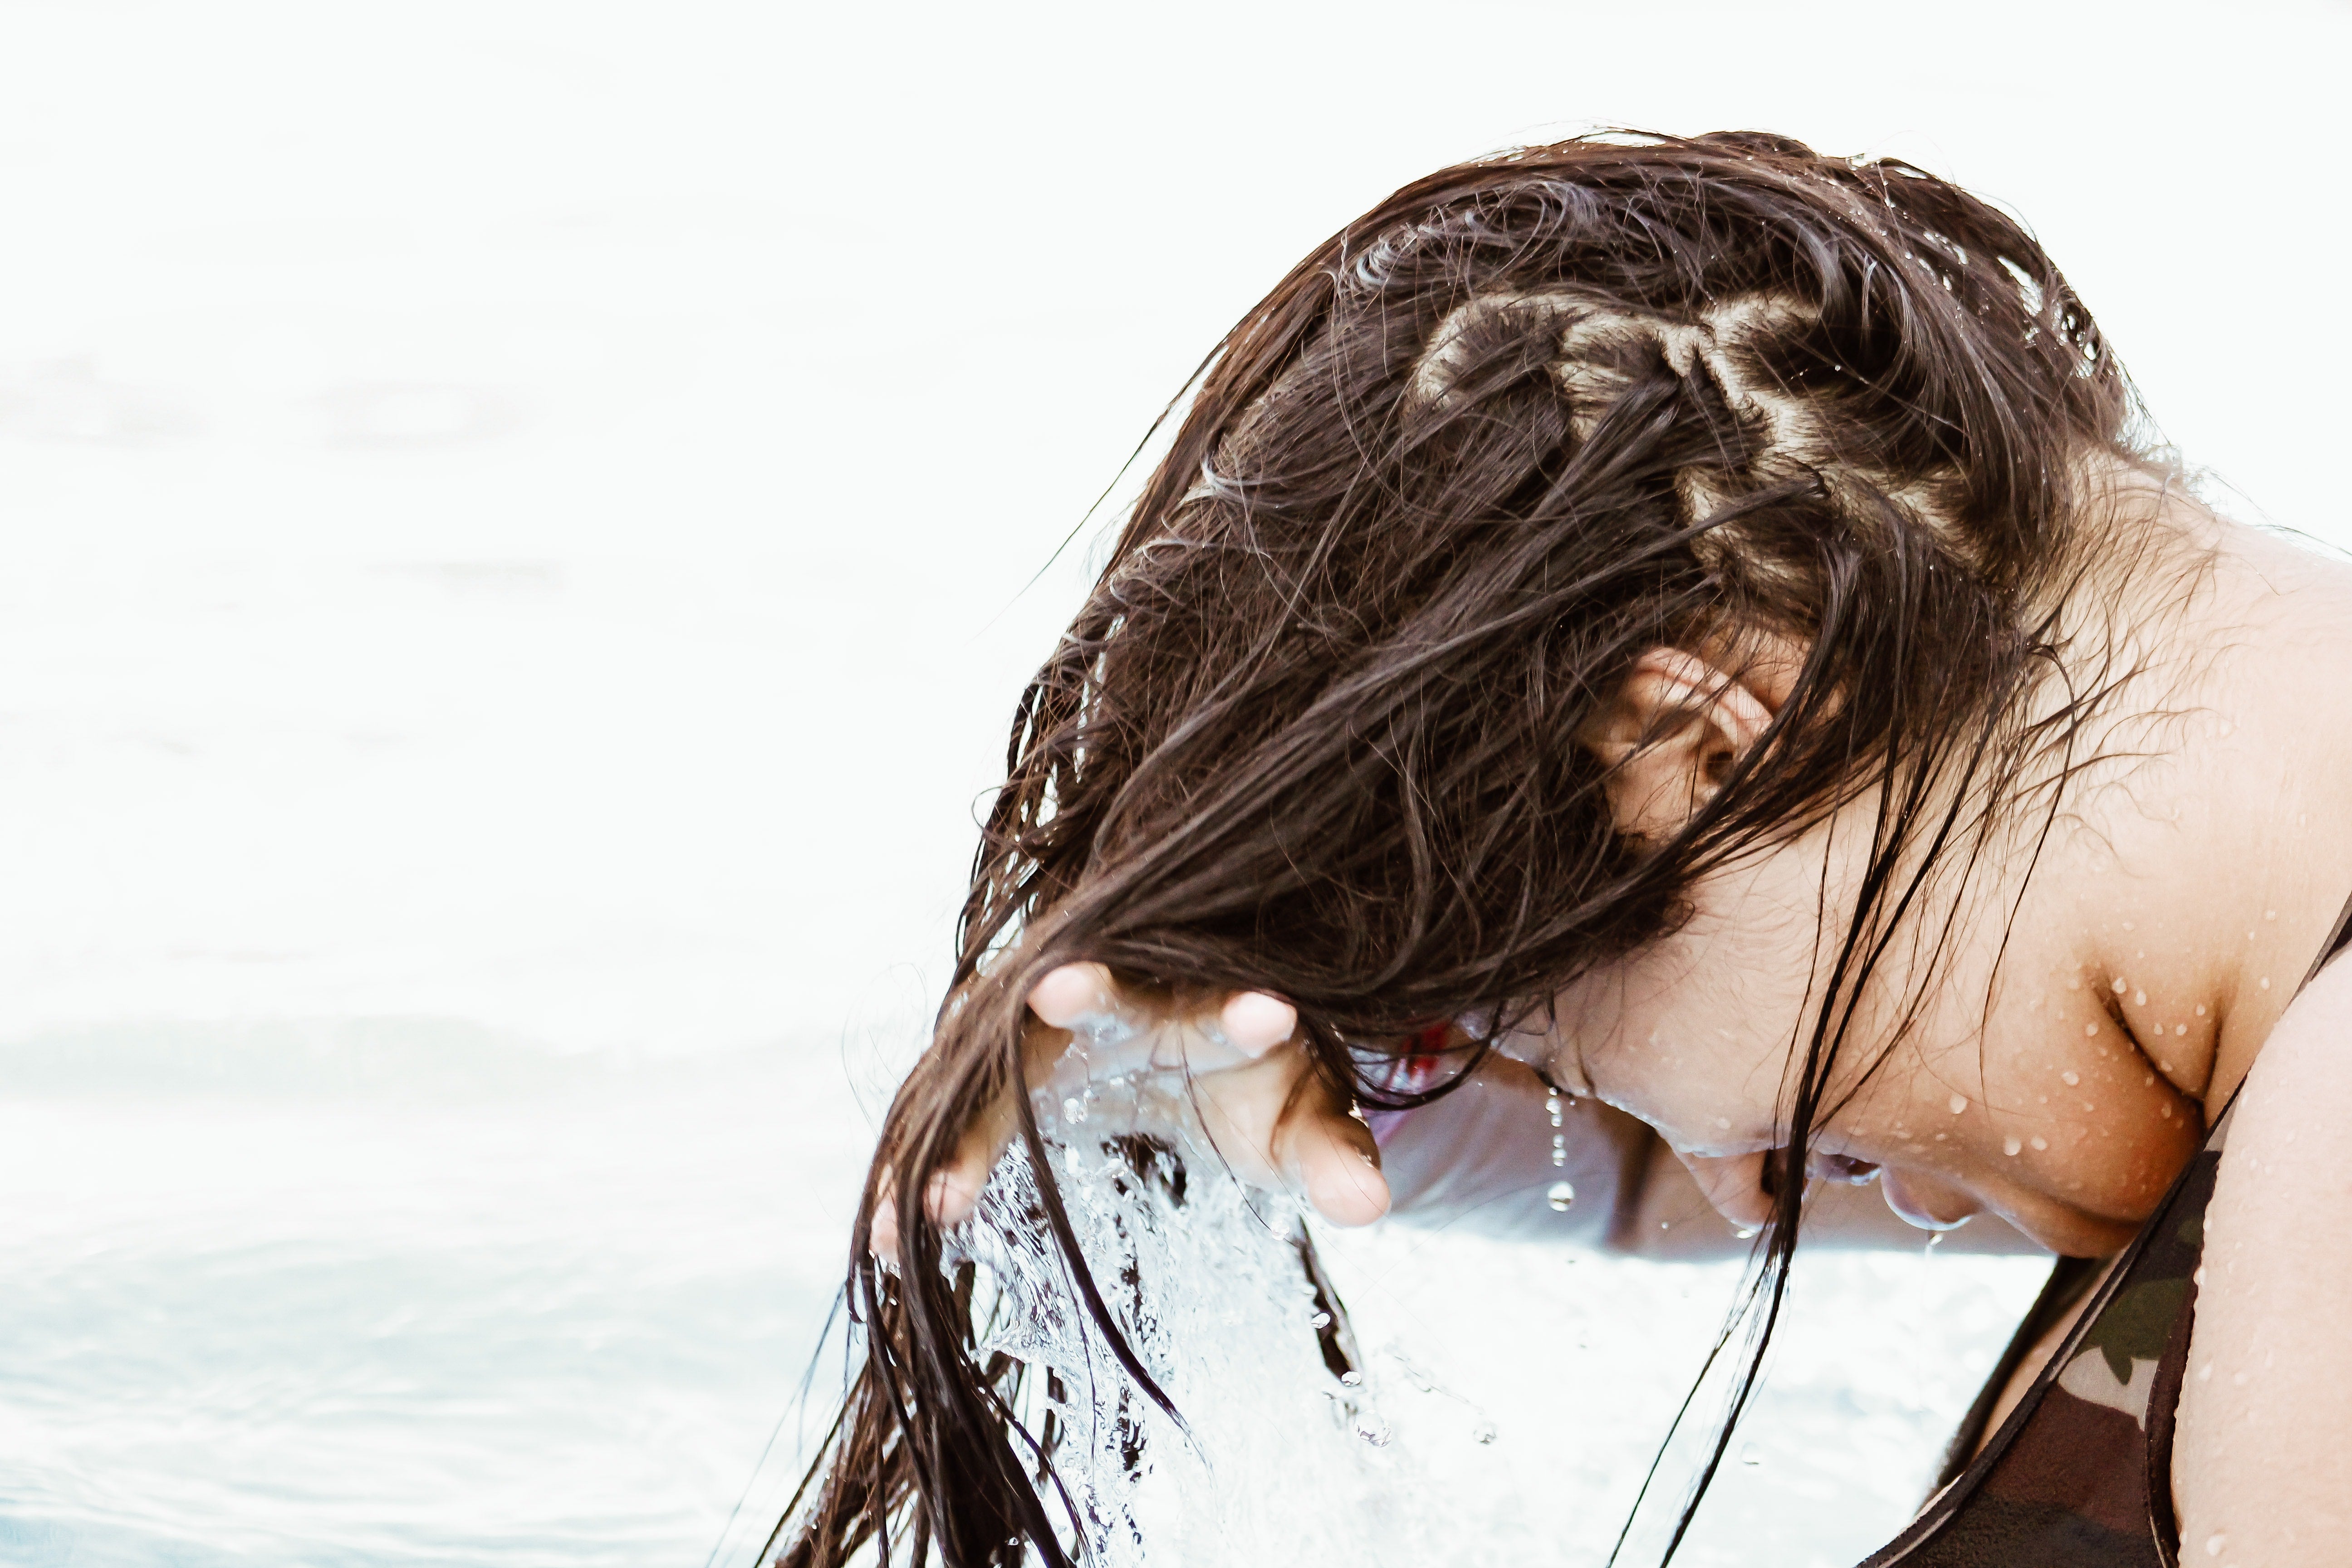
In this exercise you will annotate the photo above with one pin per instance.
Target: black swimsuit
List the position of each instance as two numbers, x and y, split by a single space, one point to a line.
2080 1476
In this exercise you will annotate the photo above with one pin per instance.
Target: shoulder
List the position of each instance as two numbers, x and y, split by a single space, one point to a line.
2288 1152
2269 1387
2308 1050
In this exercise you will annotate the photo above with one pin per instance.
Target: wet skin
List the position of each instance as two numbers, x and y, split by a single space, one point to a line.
2080 1027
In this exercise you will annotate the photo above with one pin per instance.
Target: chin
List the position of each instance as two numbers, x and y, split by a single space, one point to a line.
1927 1204
2075 1234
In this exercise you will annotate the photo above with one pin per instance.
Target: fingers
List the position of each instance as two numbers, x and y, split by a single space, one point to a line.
1247 1069
953 1190
1254 1023
1338 1166
1073 995
1077 995
1277 1125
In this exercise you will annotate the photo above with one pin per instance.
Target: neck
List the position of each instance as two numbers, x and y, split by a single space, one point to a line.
2201 859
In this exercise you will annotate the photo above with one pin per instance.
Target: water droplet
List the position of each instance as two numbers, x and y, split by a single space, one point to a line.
1319 1319
2090 1031
1074 1111
1351 1378
1562 1197
2214 1542
2119 986
1376 1433
1484 1433
2011 1146
2070 1079
2240 1379
2266 982
1723 1121
2200 1009
2180 1029
2270 914
2139 998
2041 1142
1750 1456
1960 1102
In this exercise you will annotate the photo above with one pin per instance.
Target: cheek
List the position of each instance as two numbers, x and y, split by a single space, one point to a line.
1706 1103
1692 1059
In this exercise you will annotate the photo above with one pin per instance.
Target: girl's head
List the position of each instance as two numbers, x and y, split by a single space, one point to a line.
1384 700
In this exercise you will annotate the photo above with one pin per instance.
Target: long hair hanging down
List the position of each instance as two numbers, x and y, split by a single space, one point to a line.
1315 731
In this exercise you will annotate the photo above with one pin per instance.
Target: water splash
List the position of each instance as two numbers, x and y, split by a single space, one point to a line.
1218 1290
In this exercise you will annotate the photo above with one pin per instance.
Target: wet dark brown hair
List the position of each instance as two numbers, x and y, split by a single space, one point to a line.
1315 730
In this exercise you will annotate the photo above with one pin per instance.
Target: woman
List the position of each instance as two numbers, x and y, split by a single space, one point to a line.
1703 619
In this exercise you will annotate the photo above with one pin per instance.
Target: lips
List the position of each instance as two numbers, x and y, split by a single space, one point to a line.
1840 1168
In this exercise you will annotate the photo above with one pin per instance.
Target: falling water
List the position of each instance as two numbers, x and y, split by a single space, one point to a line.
1213 1287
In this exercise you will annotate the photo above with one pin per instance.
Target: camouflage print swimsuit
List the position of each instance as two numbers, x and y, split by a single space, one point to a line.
2080 1476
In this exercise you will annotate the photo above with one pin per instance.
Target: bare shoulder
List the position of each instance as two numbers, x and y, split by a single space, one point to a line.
2301 1073
2260 1474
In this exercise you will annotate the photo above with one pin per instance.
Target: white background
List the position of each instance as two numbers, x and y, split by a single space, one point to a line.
520 521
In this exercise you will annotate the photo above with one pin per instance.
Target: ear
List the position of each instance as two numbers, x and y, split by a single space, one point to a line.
1669 739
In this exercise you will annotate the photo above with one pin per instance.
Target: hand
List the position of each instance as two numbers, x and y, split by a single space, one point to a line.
1239 1059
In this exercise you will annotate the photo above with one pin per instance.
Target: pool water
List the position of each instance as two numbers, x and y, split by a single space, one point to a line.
536 1311
401 1291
